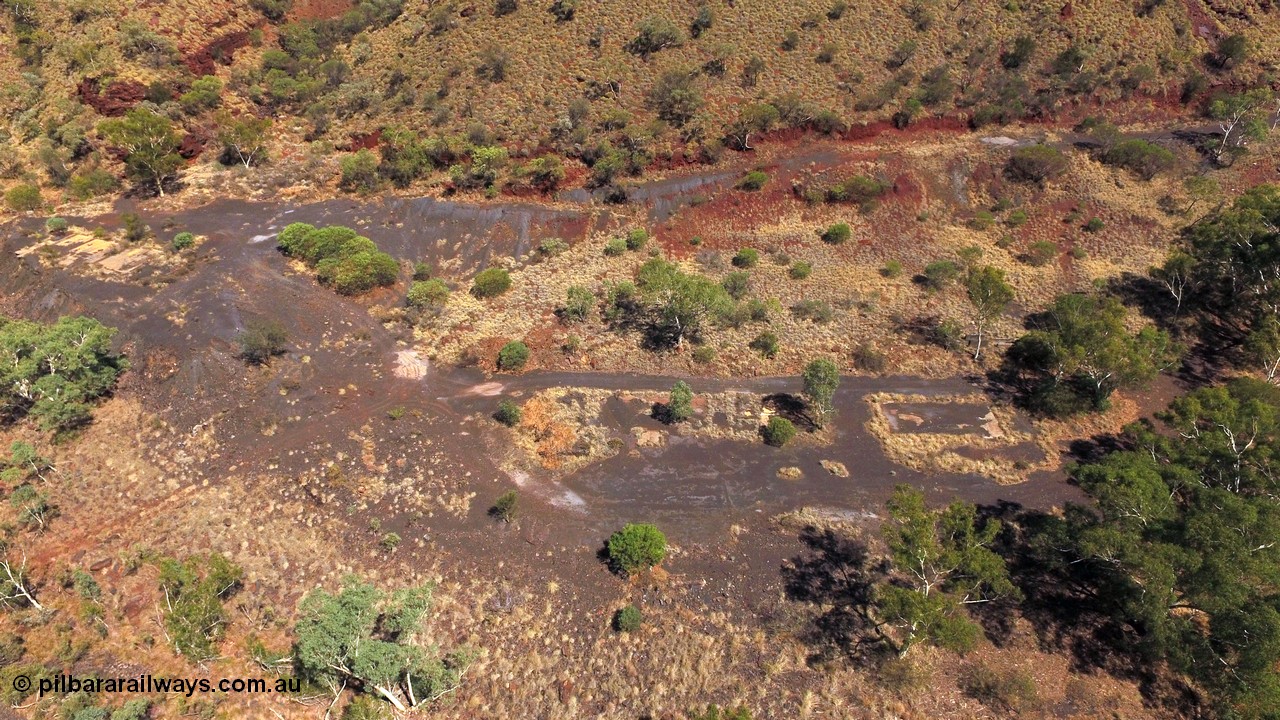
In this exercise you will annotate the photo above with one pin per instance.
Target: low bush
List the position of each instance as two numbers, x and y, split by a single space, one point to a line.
1040 253
628 619
182 241
746 258
506 506
424 294
637 238
491 282
513 356
347 262
1142 158
635 547
940 274
55 226
778 432
837 234
578 304
508 413
800 270
814 311
753 180
737 284
262 340
868 358
23 198
615 247
1036 163
766 343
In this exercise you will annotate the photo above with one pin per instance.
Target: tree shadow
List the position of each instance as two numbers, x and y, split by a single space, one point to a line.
834 572
1075 608
792 408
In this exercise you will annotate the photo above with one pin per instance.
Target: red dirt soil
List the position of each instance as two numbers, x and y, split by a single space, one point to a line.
222 50
119 97
318 9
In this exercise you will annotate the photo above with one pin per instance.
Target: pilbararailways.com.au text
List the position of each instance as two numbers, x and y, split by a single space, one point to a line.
146 684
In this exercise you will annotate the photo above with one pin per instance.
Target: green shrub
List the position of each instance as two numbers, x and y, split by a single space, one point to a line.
55 226
982 220
1040 253
655 33
615 247
704 354
766 343
891 269
737 284
135 229
360 172
578 304
24 198
91 183
427 294
635 547
859 189
940 273
1036 163
628 619
679 405
422 271
491 282
262 340
506 506
1144 159
343 260
837 234
205 94
513 356
800 270
1095 224
746 258
182 241
194 590
1017 218
753 180
815 311
779 431
637 238
508 413
551 247
390 541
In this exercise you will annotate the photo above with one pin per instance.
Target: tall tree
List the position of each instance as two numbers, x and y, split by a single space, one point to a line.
942 561
1181 541
53 372
990 295
679 302
365 637
244 139
150 144
1083 350
821 378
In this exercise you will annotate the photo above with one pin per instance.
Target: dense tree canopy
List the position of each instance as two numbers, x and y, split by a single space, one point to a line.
367 638
1182 543
54 372
1082 352
150 144
343 260
680 302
